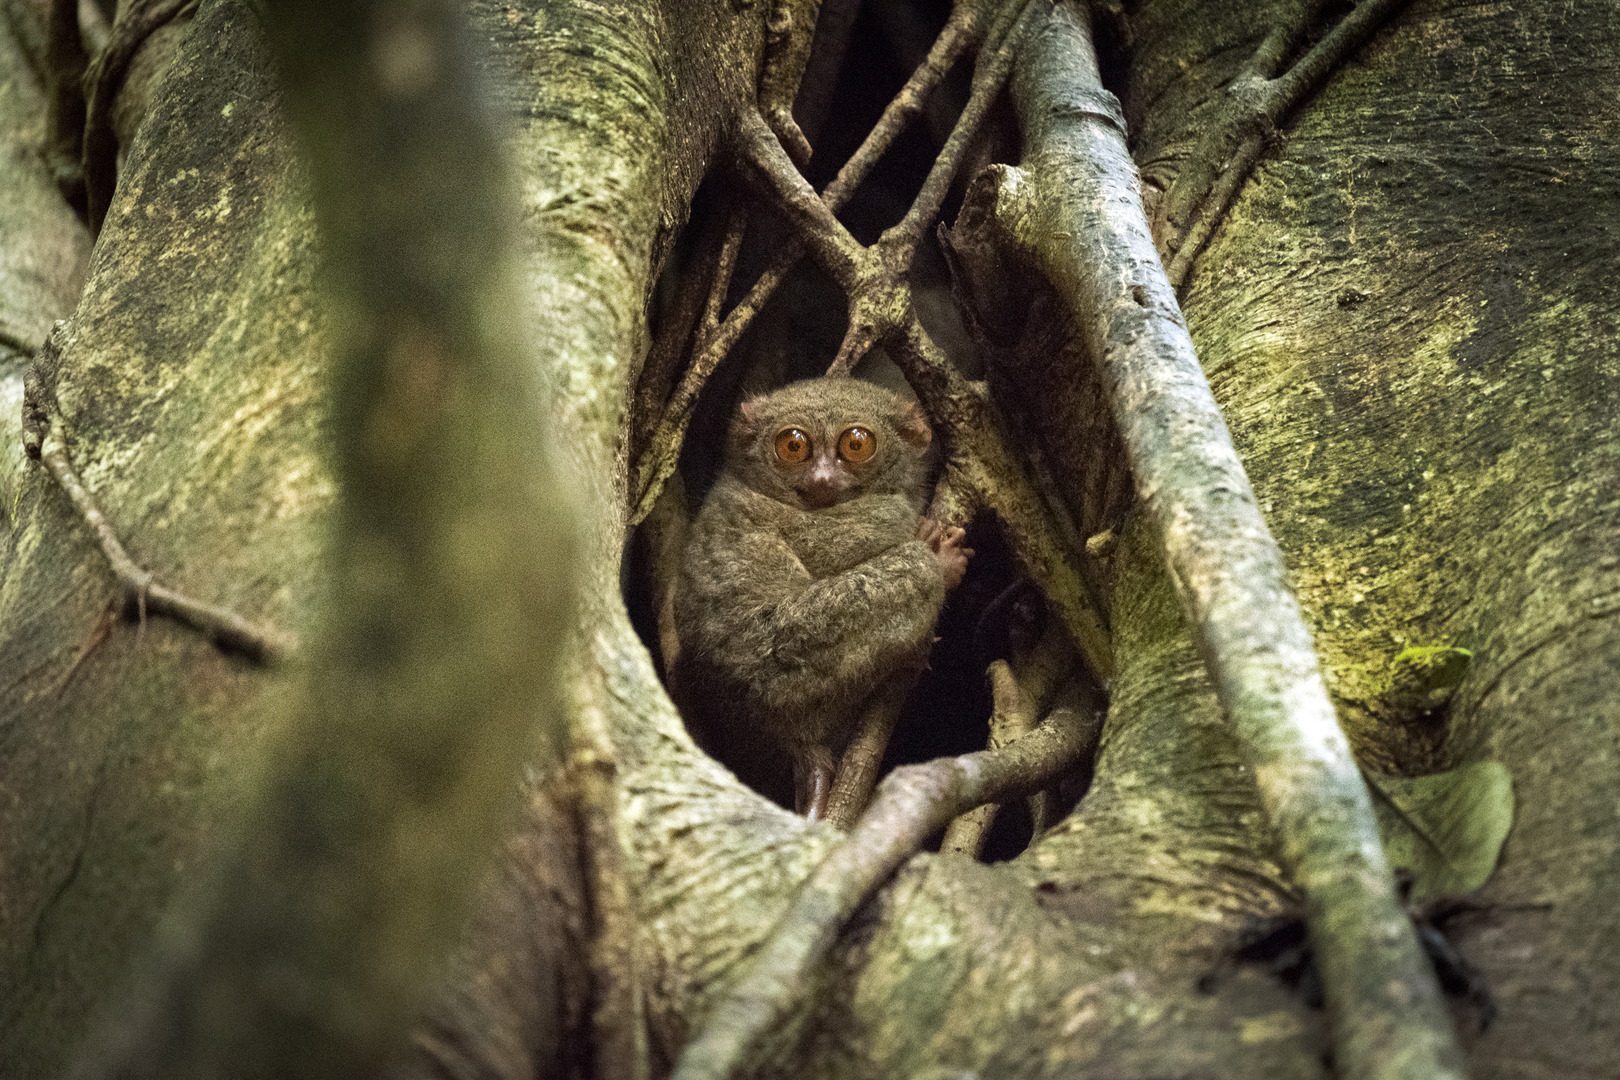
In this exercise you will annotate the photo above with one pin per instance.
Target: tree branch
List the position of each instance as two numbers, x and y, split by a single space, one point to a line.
858 767
913 803
789 31
139 591
656 463
141 594
1218 167
309 945
1074 208
1012 716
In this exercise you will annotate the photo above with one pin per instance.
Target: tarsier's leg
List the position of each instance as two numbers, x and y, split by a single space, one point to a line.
812 781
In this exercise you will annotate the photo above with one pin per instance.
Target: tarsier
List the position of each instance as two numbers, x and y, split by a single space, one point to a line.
811 578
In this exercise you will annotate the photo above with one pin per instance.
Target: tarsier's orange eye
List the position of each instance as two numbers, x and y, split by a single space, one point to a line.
856 444
792 445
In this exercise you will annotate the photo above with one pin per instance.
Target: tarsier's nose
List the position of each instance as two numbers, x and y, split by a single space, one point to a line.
821 487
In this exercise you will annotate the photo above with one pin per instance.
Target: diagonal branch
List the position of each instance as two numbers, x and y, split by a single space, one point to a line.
818 230
1006 36
141 594
1219 166
789 30
962 30
1388 1019
912 804
139 591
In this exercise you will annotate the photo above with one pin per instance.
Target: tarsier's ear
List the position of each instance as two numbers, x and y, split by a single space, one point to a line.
914 426
746 421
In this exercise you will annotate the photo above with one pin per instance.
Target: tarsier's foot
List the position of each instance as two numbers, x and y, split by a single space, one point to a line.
946 542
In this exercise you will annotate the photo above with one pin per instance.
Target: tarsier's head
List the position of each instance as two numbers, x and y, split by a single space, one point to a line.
822 442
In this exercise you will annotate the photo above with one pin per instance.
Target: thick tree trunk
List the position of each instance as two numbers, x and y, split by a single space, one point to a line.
1405 317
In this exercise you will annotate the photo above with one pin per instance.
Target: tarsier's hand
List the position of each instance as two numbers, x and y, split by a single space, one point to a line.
945 541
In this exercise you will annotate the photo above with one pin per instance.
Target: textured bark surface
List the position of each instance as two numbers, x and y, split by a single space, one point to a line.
1407 324
191 402
1407 320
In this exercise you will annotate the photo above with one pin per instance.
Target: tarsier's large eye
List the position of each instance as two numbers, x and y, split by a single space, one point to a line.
792 445
856 444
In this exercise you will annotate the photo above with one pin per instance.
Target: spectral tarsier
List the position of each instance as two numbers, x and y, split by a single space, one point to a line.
811 578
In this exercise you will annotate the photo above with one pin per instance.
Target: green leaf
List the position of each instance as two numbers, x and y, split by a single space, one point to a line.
1446 828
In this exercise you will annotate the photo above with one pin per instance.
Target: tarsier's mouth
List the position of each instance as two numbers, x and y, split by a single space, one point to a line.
820 496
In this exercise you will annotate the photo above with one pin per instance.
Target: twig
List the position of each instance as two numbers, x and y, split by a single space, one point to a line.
819 231
725 268
1388 1017
960 32
1217 169
912 803
686 323
139 591
1021 690
141 594
995 62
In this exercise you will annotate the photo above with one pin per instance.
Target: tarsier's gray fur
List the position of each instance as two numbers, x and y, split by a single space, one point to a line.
789 618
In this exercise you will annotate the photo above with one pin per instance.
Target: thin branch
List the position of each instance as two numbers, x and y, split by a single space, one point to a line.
818 230
1226 155
960 33
1012 716
789 30
1388 1018
141 594
995 61
858 767
679 326
913 803
656 463
987 468
725 268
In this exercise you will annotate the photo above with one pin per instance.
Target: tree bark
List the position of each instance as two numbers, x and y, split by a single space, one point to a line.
1405 317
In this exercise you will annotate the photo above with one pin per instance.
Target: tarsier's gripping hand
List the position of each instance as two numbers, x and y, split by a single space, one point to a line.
945 541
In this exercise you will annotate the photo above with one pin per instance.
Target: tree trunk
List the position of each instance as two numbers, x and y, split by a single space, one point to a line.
1405 316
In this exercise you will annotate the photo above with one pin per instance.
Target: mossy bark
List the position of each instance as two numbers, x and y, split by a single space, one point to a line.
1406 320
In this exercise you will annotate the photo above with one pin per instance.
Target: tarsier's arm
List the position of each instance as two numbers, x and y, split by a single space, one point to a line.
852 628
